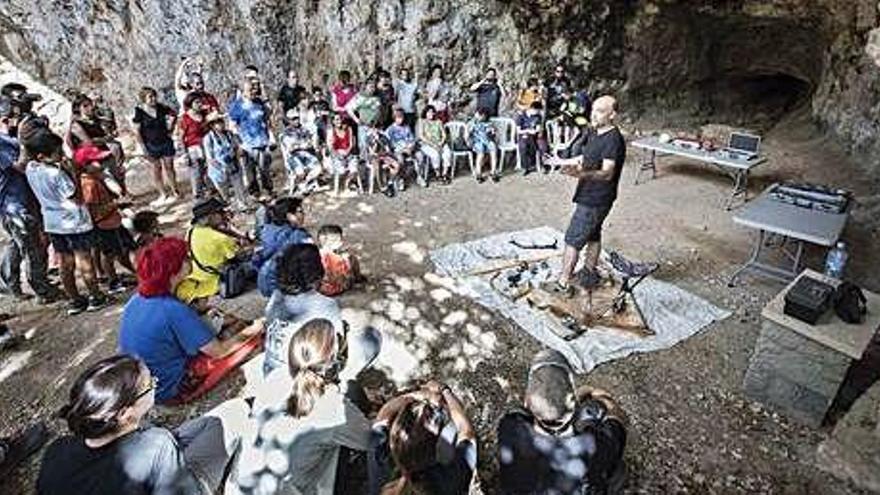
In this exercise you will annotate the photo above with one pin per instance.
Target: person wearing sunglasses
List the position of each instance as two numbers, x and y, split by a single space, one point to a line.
307 420
111 449
425 438
565 440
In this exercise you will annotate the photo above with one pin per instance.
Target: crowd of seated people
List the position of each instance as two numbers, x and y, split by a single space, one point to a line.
306 425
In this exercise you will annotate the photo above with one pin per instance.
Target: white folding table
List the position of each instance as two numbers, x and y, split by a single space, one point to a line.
793 226
737 168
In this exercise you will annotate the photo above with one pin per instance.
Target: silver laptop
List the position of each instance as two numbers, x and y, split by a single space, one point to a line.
744 144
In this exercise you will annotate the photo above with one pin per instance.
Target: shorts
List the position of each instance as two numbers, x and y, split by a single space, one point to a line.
344 165
481 146
301 161
71 243
114 241
586 225
160 150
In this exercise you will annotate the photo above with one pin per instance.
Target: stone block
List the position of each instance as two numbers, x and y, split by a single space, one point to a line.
793 374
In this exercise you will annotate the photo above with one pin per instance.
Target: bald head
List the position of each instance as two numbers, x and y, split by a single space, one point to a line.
604 111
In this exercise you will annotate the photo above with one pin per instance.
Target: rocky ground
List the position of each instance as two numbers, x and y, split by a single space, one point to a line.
692 429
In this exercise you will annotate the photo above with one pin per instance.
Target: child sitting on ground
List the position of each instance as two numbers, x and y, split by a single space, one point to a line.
298 146
113 241
341 268
384 163
223 155
65 219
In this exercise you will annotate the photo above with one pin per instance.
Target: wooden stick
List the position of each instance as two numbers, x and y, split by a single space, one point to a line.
505 264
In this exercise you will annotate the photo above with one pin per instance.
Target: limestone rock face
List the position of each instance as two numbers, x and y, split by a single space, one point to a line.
736 61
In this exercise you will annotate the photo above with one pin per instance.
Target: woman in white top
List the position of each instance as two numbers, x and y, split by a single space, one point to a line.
295 449
437 93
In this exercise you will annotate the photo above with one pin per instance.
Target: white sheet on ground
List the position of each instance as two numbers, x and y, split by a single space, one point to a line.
672 313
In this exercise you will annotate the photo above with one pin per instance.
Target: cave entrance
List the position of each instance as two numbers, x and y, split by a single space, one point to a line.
726 67
754 98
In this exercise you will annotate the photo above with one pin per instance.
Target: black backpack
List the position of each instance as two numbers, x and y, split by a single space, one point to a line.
850 303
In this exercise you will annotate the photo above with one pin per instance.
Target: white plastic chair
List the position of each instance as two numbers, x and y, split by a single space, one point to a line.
505 139
454 129
559 137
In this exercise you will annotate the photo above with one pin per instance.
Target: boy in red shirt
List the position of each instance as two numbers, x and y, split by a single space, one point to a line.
341 267
114 243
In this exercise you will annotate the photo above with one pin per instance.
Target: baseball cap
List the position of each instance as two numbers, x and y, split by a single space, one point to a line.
90 154
207 206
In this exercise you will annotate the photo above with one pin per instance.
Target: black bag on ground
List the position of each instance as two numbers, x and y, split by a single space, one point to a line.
808 299
235 275
850 303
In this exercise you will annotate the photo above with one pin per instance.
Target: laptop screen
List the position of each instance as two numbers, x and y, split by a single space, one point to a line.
744 142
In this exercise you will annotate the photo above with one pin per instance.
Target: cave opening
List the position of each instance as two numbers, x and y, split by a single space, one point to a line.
755 98
735 69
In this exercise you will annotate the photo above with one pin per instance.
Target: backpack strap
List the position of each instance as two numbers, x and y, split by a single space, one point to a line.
192 256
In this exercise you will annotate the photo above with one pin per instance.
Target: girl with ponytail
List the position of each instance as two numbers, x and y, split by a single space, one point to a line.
300 434
112 450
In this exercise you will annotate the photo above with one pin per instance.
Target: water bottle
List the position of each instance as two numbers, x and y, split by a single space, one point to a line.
835 262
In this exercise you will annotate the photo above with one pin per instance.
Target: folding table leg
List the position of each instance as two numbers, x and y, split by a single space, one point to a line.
740 189
753 258
649 165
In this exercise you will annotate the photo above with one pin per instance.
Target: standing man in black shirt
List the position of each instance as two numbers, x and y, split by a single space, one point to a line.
489 93
598 170
290 94
556 86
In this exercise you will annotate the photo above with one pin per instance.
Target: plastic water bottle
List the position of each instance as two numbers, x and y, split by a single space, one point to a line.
835 262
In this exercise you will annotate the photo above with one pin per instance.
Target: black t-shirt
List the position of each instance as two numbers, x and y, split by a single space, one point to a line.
154 129
580 461
291 96
598 147
146 461
489 98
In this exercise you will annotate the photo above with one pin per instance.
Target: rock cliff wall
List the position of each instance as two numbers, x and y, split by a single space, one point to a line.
735 60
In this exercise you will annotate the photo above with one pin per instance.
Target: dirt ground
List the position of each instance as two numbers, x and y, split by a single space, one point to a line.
692 430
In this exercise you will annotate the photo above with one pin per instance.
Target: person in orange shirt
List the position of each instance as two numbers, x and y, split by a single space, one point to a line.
113 241
341 267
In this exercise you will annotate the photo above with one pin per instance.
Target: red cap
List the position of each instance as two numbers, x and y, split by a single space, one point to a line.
89 154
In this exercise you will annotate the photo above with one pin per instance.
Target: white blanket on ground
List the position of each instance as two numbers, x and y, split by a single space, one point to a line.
672 313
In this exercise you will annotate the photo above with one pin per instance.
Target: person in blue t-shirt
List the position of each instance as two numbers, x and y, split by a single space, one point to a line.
251 113
184 353
19 216
283 228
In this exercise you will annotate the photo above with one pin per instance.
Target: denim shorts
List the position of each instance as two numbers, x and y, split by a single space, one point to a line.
586 225
484 146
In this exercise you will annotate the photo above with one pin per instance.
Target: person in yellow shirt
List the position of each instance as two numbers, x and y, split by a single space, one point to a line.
530 94
212 244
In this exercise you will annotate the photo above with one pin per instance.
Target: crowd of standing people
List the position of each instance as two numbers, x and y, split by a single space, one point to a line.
305 425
